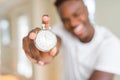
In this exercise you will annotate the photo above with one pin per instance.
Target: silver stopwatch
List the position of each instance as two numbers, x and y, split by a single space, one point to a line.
45 40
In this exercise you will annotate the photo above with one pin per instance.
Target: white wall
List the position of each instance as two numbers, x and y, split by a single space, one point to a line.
108 14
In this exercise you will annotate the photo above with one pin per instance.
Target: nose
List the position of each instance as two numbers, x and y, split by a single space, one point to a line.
73 23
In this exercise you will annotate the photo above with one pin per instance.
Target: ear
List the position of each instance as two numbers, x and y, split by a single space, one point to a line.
85 15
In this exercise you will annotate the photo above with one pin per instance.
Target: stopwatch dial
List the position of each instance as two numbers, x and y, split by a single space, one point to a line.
45 40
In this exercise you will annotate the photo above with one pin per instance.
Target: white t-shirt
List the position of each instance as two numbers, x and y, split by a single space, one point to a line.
81 59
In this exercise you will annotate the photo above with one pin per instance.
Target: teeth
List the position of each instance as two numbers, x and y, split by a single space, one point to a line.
78 29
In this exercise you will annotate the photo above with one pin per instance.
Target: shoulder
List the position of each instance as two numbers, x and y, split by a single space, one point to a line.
109 40
106 36
110 43
109 52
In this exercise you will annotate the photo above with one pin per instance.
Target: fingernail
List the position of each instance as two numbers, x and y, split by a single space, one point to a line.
32 35
41 63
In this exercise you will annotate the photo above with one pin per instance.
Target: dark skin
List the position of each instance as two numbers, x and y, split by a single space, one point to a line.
35 55
74 16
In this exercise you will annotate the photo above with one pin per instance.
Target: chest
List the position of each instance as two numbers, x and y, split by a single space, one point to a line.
81 58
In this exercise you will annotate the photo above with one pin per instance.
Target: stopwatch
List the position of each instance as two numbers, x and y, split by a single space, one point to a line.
45 40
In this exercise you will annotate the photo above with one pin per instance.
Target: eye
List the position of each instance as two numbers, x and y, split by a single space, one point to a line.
76 15
65 20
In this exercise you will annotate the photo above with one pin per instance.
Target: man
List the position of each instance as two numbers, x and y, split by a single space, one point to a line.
91 52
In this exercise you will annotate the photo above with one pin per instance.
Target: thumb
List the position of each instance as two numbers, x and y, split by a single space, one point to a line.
46 20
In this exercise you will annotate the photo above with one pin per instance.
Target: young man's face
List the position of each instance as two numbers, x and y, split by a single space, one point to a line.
74 16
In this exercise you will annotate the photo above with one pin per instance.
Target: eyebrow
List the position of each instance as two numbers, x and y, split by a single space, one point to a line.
77 10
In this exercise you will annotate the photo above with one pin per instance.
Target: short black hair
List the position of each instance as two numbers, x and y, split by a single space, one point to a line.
59 2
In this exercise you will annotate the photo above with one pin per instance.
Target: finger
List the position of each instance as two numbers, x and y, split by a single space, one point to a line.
53 51
35 30
46 20
46 57
31 59
26 44
32 35
34 51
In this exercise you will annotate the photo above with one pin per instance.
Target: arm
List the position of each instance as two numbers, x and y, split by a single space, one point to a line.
99 75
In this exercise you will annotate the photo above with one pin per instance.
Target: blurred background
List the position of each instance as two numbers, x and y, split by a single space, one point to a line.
18 17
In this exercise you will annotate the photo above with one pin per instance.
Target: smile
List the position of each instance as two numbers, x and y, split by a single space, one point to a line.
79 30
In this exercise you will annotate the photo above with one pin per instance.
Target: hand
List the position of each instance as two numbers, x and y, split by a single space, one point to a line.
35 55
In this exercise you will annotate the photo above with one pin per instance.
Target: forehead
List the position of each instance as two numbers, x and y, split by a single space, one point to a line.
70 6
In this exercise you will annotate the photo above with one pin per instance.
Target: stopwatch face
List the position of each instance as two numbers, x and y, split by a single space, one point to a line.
45 40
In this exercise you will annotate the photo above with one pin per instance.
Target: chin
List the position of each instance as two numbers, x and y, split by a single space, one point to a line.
83 38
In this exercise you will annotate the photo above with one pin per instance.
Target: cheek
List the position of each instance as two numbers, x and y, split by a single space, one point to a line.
84 18
67 27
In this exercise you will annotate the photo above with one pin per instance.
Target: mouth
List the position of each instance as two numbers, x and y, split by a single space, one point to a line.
79 30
